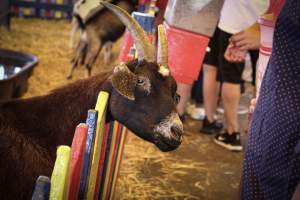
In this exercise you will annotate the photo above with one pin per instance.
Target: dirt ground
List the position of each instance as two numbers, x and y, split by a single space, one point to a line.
199 169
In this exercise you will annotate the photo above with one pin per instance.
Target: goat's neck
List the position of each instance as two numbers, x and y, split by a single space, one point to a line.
50 120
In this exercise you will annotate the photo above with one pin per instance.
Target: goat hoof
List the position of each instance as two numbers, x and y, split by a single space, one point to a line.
69 77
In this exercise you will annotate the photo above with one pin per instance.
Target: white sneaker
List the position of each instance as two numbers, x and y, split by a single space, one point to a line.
242 110
195 112
198 113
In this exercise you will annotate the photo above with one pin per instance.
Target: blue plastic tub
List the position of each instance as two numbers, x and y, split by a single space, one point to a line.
15 69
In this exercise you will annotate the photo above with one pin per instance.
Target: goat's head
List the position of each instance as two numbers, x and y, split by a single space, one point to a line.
144 93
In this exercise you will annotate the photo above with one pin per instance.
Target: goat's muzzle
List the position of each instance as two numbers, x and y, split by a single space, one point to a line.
169 143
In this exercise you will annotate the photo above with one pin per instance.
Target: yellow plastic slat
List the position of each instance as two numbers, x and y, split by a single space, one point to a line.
58 14
60 175
27 11
101 106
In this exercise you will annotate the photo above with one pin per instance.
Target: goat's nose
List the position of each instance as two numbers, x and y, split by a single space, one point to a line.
176 133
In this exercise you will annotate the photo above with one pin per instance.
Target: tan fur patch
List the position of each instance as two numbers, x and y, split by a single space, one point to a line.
164 71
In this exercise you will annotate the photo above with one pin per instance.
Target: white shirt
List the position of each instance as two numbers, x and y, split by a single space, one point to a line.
237 15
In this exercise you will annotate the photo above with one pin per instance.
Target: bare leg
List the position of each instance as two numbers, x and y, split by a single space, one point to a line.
210 91
184 90
231 97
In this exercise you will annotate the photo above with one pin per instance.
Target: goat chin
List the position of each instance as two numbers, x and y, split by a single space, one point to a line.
165 147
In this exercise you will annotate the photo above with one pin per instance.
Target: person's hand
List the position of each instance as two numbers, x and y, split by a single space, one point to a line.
234 54
248 39
251 111
252 105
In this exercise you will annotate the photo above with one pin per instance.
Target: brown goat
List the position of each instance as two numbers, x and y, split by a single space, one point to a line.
99 30
142 97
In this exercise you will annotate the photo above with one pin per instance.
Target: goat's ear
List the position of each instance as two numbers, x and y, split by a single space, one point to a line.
124 81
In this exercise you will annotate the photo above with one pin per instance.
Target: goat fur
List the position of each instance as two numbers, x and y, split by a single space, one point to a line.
31 129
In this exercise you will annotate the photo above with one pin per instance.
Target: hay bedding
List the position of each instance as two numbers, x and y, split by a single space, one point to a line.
198 170
50 41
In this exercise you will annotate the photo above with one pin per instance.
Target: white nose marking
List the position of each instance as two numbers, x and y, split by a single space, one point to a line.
164 127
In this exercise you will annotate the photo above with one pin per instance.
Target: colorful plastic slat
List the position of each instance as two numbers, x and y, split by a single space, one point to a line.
60 174
91 122
27 11
41 189
52 11
145 20
147 23
118 161
43 11
101 106
16 10
58 14
114 161
77 153
106 160
110 163
47 11
103 156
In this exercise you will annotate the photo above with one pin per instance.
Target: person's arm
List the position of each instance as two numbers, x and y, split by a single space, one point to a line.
241 42
248 39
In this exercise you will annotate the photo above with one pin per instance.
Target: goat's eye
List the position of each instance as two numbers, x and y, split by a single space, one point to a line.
140 81
177 98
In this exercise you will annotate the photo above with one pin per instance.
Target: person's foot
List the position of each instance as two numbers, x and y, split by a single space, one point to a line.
211 127
231 142
196 112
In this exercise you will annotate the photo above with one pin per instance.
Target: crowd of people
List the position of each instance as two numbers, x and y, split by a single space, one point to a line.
236 34
271 168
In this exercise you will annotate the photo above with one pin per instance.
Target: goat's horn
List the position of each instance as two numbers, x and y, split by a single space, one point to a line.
162 51
162 47
144 48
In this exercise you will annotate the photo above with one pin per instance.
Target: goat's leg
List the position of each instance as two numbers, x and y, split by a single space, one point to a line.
107 52
79 57
74 65
75 28
93 53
